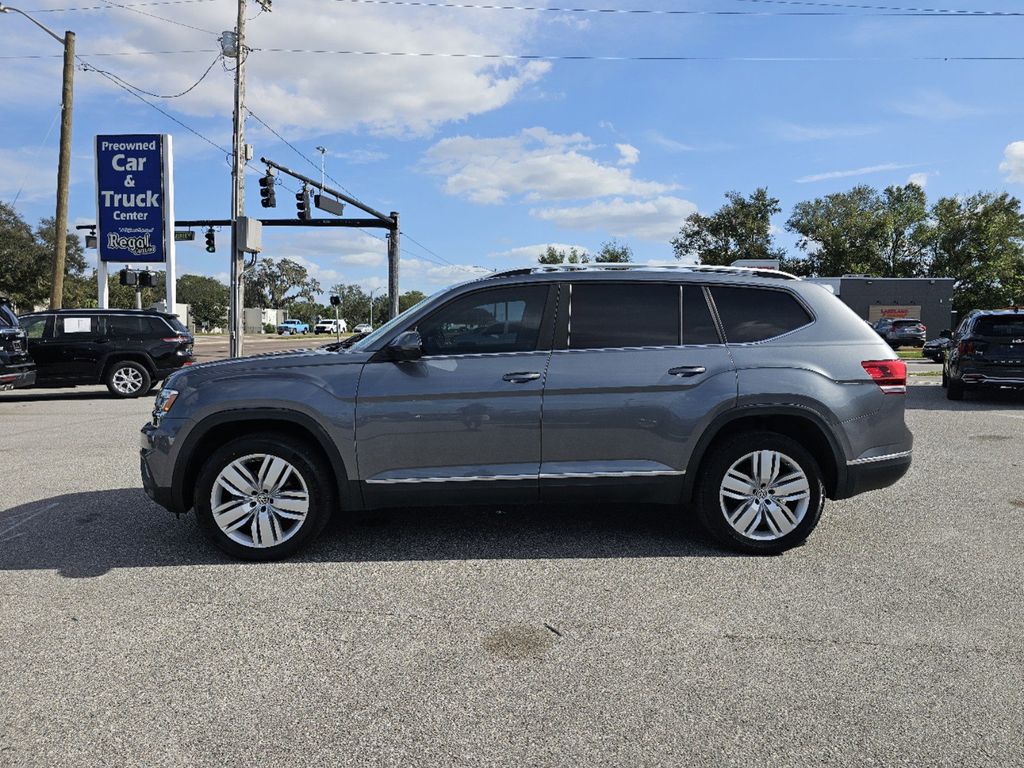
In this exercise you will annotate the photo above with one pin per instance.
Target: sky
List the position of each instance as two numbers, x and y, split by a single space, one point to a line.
489 160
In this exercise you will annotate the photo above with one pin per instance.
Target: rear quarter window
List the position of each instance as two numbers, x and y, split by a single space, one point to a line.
757 314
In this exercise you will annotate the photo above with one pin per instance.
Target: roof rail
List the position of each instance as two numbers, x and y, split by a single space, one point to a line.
627 267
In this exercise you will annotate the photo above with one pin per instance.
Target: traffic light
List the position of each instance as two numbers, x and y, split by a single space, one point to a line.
128 277
146 279
211 243
268 199
335 301
302 204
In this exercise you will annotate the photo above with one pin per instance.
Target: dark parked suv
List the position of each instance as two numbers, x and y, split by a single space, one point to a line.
987 350
748 396
16 366
128 350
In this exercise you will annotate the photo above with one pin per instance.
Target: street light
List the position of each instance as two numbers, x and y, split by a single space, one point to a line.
64 158
372 291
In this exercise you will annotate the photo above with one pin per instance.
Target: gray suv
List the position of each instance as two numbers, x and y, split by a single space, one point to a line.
746 396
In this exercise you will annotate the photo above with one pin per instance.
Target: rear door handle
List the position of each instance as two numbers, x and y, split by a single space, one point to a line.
687 370
520 378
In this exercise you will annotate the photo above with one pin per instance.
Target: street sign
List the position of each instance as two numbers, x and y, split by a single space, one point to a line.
180 236
132 197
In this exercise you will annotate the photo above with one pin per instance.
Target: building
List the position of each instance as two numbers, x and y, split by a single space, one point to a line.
928 299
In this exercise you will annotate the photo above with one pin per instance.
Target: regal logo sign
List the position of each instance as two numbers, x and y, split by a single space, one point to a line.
132 202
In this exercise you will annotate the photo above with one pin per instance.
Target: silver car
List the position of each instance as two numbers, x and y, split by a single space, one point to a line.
747 397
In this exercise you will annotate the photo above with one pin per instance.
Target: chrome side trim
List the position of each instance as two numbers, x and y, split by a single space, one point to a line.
872 459
545 476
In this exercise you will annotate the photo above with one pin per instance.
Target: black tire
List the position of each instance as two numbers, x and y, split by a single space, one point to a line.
307 463
955 389
945 378
722 457
127 378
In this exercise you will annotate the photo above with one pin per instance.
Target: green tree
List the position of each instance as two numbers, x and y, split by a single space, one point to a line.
740 229
409 299
979 241
614 252
277 285
26 261
864 232
355 304
208 298
555 256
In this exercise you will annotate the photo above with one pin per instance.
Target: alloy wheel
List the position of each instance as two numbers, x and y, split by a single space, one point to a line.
127 380
764 495
259 500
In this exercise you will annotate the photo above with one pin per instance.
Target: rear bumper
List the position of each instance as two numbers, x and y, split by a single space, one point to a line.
993 379
870 475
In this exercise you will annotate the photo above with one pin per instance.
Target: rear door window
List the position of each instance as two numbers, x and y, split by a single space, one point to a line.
77 328
756 314
698 325
614 315
1000 325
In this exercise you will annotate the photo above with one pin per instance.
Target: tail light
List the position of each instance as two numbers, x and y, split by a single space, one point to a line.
175 339
966 348
889 375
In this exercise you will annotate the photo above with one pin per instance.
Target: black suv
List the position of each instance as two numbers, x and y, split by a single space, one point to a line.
16 366
987 350
128 350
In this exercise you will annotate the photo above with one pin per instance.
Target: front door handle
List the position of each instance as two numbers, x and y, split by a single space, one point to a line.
687 370
520 378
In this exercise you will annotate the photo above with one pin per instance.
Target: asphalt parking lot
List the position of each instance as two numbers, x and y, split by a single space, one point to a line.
539 636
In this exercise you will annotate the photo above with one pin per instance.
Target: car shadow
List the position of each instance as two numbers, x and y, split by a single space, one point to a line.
50 395
929 397
88 534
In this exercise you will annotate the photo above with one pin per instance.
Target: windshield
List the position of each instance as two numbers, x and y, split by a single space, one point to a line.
1000 325
372 338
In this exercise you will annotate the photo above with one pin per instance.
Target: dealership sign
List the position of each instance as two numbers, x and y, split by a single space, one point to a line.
134 207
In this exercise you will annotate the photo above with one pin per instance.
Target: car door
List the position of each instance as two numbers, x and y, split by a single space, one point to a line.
639 368
84 342
462 423
42 347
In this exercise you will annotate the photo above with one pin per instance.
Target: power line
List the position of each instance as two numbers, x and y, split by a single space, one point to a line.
123 5
29 169
159 95
107 54
159 18
870 10
421 245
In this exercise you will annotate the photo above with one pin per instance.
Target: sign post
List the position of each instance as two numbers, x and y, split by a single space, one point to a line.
134 206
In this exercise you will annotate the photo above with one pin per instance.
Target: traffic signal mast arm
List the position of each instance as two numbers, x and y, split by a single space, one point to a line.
324 188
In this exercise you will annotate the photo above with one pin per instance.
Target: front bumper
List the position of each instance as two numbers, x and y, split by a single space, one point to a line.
154 463
17 376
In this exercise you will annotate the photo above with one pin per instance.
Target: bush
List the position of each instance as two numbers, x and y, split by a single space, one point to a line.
269 328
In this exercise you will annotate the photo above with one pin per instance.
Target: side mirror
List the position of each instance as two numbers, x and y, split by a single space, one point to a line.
946 334
406 346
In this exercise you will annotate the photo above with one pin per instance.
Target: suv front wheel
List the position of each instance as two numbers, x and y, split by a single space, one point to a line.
262 497
762 493
127 378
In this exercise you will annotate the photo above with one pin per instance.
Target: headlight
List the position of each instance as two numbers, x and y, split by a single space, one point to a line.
164 401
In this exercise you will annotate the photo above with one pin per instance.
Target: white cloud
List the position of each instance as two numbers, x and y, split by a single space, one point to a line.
361 156
797 132
935 105
29 172
423 272
668 144
535 164
854 172
628 154
1013 164
658 218
921 179
529 253
304 93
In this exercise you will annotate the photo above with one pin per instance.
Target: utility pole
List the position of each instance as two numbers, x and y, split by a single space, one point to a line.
393 251
237 304
64 159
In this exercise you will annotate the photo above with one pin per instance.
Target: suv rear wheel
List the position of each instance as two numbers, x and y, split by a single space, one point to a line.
761 493
127 378
955 388
262 497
